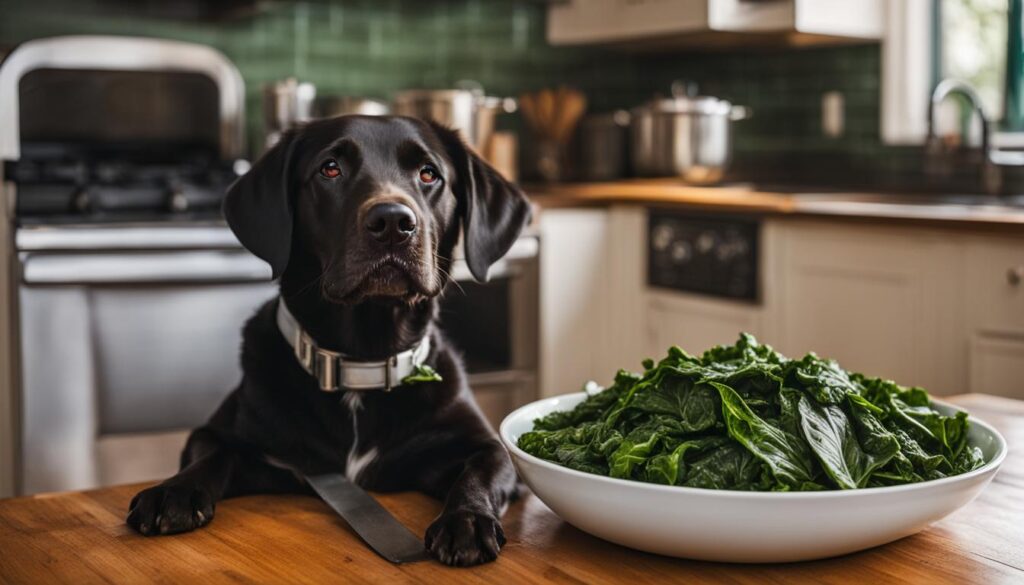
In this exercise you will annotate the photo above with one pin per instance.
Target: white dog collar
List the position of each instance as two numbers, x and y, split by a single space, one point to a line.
334 371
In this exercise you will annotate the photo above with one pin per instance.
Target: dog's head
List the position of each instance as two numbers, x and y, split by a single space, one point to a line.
377 203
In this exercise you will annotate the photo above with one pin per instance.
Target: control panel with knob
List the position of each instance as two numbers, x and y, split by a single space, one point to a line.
710 255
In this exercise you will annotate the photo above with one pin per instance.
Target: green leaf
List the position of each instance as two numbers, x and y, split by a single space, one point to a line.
729 467
787 456
694 407
422 373
832 438
745 417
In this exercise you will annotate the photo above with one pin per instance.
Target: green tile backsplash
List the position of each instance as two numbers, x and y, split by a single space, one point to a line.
374 48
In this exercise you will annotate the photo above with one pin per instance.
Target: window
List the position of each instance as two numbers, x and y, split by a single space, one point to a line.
928 40
972 47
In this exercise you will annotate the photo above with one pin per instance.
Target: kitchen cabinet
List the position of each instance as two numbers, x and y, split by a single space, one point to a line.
923 304
715 22
696 323
995 278
994 270
997 365
880 300
590 281
574 272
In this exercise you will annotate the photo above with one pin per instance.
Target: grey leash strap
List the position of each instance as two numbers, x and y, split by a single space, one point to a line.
376 526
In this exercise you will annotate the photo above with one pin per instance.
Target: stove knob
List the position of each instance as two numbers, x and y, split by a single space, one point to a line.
681 252
177 201
82 201
705 242
662 237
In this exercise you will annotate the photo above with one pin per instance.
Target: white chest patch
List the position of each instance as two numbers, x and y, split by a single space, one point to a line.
355 462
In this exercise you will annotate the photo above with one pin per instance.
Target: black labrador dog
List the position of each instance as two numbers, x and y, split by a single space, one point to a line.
358 217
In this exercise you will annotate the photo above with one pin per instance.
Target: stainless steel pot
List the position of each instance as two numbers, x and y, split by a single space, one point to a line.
685 136
286 104
344 105
467 110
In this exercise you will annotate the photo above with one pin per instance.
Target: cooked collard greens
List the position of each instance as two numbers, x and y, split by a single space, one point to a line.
744 417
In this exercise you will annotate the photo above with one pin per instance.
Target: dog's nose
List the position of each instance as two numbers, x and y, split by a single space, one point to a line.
390 223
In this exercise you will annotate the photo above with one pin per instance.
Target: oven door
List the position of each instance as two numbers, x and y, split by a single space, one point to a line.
122 353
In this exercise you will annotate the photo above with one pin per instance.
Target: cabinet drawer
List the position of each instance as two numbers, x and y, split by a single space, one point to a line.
995 285
696 324
997 366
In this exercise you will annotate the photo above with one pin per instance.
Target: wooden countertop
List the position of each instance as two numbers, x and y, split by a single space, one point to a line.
80 537
930 209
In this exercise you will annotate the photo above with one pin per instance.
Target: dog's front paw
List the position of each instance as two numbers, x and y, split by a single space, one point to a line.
169 509
463 538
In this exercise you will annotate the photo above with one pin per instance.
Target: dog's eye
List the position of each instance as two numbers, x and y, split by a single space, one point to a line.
429 175
330 169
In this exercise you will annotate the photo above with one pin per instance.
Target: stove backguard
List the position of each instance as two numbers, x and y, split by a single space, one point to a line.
141 116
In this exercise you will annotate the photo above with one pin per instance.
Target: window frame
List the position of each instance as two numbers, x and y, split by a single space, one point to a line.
911 67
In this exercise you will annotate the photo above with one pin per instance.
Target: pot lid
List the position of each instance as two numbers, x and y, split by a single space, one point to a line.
685 100
434 94
705 105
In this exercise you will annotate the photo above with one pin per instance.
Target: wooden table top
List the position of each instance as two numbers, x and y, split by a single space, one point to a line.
80 537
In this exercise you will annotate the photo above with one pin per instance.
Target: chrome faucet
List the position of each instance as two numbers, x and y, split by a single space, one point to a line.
992 158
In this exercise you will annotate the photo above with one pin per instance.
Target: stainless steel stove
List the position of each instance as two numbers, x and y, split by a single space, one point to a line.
127 291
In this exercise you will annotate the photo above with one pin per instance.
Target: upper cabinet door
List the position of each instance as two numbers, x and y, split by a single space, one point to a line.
580 22
843 18
714 22
752 15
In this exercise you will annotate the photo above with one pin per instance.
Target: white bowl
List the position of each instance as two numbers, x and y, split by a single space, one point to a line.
736 526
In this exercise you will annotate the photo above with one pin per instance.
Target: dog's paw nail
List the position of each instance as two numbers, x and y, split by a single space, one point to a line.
465 538
169 509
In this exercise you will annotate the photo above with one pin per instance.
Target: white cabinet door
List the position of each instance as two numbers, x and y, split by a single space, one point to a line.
841 18
884 301
995 277
696 323
995 315
574 271
591 303
599 21
576 22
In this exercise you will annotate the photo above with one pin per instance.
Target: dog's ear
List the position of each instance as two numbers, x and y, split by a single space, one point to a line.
258 206
494 211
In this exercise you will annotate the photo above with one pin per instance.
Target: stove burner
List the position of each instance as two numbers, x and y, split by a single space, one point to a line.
100 190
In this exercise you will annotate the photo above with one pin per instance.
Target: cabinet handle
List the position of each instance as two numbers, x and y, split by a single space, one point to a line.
1015 275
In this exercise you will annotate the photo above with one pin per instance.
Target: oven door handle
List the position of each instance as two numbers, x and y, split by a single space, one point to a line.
163 267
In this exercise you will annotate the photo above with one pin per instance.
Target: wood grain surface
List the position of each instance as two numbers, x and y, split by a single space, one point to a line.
907 209
80 537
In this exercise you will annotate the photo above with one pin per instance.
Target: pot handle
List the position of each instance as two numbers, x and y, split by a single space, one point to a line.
740 113
506 105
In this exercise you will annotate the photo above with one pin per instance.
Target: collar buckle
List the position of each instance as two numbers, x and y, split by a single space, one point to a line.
390 365
326 371
304 350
